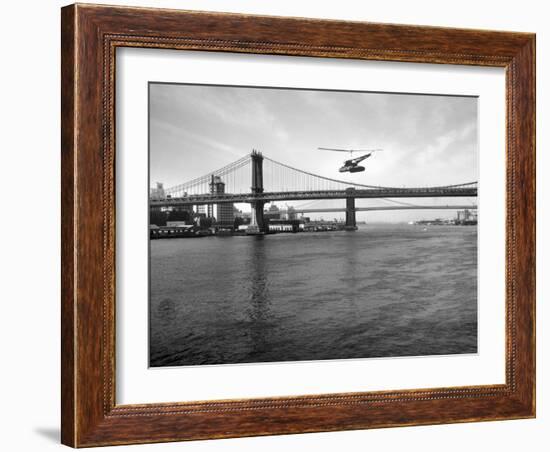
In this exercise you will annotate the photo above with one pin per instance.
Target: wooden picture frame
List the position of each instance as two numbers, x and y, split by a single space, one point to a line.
90 36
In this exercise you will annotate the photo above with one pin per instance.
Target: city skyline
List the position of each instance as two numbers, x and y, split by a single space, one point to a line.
428 140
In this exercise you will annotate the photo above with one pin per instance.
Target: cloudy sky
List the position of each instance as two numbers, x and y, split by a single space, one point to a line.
427 140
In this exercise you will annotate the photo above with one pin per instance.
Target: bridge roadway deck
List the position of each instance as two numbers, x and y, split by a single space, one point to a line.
441 192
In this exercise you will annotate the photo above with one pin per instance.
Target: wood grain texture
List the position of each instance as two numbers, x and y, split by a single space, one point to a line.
90 36
67 226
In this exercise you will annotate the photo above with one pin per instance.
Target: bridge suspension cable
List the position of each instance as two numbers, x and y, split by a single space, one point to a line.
323 181
235 176
277 177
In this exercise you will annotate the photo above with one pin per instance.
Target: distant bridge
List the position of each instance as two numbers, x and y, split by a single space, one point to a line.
248 180
377 208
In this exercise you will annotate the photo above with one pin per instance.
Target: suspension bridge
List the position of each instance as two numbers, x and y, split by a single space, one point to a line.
257 180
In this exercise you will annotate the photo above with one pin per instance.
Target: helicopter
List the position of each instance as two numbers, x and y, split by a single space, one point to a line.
352 165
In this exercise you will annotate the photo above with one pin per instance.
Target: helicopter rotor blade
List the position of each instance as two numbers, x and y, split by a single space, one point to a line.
335 149
350 150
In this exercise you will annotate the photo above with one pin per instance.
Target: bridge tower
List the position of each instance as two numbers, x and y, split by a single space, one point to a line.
257 223
351 224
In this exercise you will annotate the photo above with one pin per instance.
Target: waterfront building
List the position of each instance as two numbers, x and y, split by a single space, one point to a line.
276 225
201 210
178 224
466 216
181 214
272 213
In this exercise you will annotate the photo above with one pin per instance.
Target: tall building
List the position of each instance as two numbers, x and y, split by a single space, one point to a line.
223 212
290 213
157 193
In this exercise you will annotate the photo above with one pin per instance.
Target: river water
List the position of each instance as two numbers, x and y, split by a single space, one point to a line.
381 291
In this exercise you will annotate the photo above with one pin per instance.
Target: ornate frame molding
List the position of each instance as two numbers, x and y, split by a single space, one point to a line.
90 37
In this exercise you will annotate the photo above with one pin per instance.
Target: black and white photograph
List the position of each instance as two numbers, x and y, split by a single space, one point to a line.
275 226
299 225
